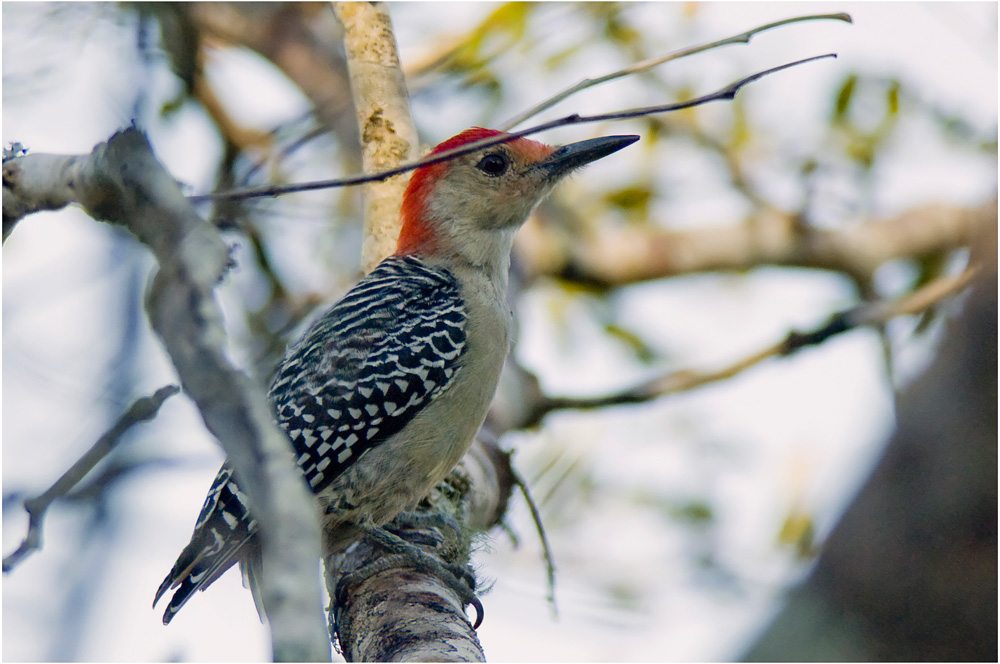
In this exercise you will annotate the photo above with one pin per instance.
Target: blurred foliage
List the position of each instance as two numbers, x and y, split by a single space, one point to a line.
179 40
799 532
634 199
864 114
470 61
696 512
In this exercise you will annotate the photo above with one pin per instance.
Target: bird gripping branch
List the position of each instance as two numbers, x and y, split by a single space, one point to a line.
384 394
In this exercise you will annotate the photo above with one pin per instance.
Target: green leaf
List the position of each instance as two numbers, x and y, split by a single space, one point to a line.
892 99
643 352
695 512
844 96
634 199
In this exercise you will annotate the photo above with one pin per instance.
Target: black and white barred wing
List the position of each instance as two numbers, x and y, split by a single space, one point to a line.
358 376
368 366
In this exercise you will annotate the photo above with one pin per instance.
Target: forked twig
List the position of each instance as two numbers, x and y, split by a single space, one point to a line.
550 563
722 94
742 38
142 410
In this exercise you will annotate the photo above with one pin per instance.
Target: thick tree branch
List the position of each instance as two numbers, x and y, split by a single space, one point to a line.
142 410
398 613
122 183
388 136
614 256
39 183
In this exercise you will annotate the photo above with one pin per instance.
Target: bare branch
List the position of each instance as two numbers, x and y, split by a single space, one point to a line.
742 38
613 256
387 610
917 301
142 410
388 136
722 94
122 183
536 517
873 313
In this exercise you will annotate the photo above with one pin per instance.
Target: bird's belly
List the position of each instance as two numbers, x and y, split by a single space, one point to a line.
395 475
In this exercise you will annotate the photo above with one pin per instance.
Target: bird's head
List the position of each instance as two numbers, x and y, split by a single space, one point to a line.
470 206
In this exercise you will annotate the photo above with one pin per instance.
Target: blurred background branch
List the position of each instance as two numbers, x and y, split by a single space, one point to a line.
143 410
538 405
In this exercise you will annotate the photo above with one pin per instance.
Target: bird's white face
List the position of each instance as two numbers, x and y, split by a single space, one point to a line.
469 207
483 198
495 188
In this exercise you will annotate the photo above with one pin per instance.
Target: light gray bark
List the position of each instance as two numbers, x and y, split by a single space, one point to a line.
122 183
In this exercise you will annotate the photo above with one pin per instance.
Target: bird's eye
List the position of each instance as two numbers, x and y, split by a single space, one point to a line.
495 163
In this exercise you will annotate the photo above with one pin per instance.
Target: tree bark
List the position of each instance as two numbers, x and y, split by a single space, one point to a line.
388 137
122 183
400 614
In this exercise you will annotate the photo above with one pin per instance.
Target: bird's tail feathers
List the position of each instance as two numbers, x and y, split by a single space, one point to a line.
225 534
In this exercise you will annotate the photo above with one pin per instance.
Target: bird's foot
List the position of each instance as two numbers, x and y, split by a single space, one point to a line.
458 578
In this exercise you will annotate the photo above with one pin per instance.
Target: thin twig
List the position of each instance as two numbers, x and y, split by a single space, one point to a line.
550 563
722 94
142 410
742 38
917 301
680 381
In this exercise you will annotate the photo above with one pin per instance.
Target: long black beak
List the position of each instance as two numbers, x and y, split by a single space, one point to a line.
575 155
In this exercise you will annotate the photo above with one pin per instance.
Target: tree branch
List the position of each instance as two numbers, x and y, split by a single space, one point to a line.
722 94
398 613
742 38
122 183
388 136
615 256
39 183
142 410
874 313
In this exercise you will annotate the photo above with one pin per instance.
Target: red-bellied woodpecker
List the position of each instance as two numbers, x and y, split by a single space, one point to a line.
385 392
